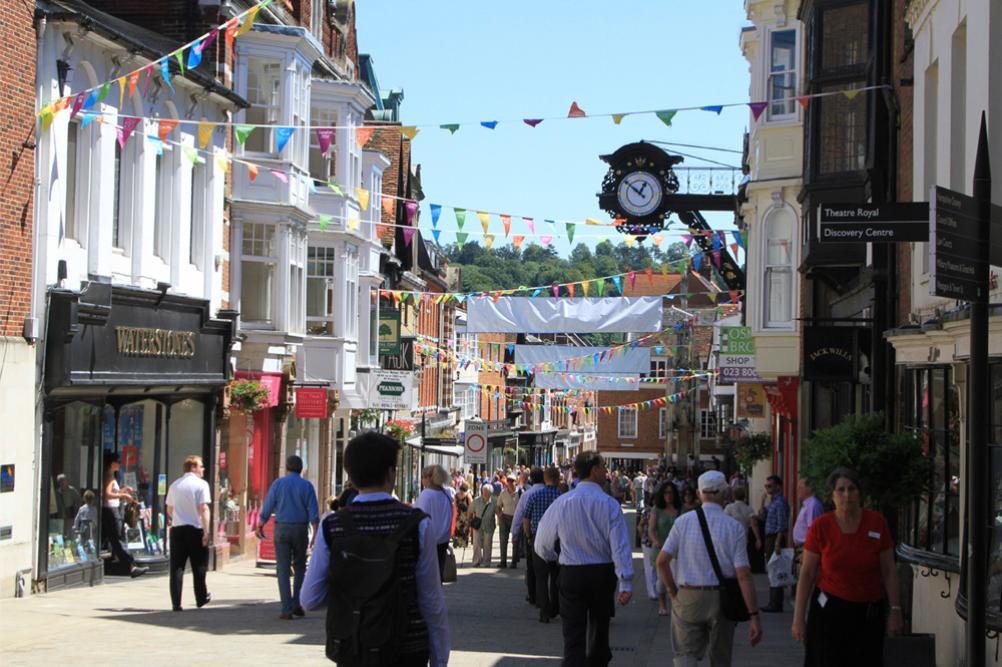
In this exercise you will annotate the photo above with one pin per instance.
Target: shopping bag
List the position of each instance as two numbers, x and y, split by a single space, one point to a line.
780 569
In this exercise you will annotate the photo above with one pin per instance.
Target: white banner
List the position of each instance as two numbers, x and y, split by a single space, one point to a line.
627 360
391 390
475 442
617 382
565 315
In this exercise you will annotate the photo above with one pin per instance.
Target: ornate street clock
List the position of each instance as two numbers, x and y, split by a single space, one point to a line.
637 187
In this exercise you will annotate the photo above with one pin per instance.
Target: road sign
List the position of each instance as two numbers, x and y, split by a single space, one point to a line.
873 223
475 442
391 390
955 271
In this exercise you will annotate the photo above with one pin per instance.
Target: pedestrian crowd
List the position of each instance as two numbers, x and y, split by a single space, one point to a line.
378 565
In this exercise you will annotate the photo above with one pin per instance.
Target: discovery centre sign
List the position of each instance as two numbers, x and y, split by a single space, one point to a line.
873 223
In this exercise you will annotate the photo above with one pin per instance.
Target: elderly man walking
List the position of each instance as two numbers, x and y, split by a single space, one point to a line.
595 554
294 502
698 625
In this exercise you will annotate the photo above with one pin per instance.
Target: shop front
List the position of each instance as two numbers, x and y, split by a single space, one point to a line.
138 373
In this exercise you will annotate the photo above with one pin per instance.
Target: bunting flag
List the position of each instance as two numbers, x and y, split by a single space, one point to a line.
632 277
600 286
803 100
133 80
353 224
452 127
124 132
410 208
851 93
363 134
241 132
325 220
87 117
408 235
576 111
103 93
191 154
734 249
666 116
335 188
618 282
460 217
179 56
570 290
249 20
687 239
282 136
531 224
388 206
252 171
506 222
165 127
617 118
488 241
545 240
436 211
570 232
230 33
409 131
489 124
324 137
697 260
484 220
516 241
461 238
158 145
649 272
78 102
629 240
280 175
713 108
436 233
532 122
738 238
164 73
757 108
363 198
195 55
149 77
205 129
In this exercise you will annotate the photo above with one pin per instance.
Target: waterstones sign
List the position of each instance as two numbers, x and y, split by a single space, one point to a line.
158 343
873 223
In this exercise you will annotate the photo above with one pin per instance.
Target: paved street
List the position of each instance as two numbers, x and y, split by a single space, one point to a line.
491 625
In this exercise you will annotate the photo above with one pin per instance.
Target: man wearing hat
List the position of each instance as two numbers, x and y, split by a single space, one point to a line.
698 624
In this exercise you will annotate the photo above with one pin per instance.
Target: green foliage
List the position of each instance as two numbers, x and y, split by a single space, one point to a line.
892 468
248 395
750 450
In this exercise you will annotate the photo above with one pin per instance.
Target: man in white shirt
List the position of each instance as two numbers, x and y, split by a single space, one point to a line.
595 554
698 623
188 517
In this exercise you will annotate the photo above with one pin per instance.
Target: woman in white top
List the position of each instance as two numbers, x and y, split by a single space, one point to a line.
745 515
436 501
111 501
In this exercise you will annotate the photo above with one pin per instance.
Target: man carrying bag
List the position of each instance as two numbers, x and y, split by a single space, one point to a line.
712 588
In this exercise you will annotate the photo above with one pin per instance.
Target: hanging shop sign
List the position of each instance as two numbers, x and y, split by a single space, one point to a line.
751 401
389 332
898 222
737 355
311 402
475 442
402 360
955 270
391 390
832 353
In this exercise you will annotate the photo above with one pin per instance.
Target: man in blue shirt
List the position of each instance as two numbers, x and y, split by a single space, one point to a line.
777 525
545 571
293 500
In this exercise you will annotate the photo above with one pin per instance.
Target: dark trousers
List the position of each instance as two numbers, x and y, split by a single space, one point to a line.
443 551
517 548
844 633
775 594
291 542
111 534
185 545
505 528
586 605
530 569
546 587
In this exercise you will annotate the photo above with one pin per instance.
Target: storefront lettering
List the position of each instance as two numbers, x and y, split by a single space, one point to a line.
831 351
162 343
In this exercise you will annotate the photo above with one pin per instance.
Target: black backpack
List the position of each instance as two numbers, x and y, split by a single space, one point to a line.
367 608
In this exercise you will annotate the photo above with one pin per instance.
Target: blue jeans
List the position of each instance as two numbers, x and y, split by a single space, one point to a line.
291 540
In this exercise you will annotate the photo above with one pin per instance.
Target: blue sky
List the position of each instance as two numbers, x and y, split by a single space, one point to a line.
469 61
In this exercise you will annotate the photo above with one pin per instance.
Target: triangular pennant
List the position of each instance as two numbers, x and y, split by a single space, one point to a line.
363 198
280 175
488 241
282 136
388 206
436 211
249 20
734 249
697 260
335 188
230 33
410 208
205 129
666 116
408 234
516 241
618 282
179 56
532 122
851 93
584 288
460 217
252 170
461 238
78 103
363 134
485 220
489 124
353 224
713 108
600 286
324 221
242 132
629 240
435 233
103 93
133 80
452 127
545 240
687 239
222 160
87 117
738 238
632 277
195 55
803 100
506 222
190 154
164 72
556 291
617 118
324 137
532 225
158 145
128 125
91 100
649 272
576 111
570 232
166 126
757 108
570 290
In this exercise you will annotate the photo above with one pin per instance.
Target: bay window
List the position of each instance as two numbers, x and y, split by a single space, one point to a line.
782 75
778 277
257 271
264 91
320 265
321 166
297 258
351 290
196 221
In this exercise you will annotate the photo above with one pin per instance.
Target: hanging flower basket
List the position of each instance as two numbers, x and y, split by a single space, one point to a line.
248 395
399 429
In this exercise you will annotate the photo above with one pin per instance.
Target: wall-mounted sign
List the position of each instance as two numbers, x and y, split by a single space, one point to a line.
401 361
311 402
475 442
955 271
391 390
832 353
147 342
751 401
389 332
737 355
873 223
737 340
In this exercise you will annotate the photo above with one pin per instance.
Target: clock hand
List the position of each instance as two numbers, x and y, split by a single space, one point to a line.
643 186
639 192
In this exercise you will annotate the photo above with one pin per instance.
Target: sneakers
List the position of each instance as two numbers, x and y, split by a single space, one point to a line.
207 600
138 571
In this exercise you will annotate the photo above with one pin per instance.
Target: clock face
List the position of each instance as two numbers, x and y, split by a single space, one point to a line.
639 193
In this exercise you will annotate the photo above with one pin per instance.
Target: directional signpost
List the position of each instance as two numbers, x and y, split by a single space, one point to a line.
956 267
873 223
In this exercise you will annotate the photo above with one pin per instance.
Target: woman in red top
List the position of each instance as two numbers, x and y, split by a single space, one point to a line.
848 563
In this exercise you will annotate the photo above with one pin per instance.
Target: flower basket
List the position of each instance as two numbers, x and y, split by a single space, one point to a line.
248 395
400 429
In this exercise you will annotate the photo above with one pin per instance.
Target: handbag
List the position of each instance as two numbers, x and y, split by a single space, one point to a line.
478 521
732 602
449 574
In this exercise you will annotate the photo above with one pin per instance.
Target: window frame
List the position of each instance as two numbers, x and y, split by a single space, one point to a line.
621 422
769 321
268 260
793 113
320 116
707 424
329 259
272 110
663 423
351 290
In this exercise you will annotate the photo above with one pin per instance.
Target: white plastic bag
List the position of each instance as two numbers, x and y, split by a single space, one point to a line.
780 569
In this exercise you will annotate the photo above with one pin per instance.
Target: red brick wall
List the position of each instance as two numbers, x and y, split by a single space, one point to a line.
17 155
491 347
647 439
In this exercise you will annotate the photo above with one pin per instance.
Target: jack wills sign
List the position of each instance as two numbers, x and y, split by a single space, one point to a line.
832 353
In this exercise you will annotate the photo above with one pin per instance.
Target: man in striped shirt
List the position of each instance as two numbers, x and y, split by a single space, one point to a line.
545 571
595 554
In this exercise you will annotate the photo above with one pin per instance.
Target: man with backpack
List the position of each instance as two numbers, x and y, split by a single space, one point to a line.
376 570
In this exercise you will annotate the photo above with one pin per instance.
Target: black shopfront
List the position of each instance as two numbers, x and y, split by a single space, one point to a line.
136 372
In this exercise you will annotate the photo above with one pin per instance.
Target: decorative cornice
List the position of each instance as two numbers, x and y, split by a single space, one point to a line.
916 12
